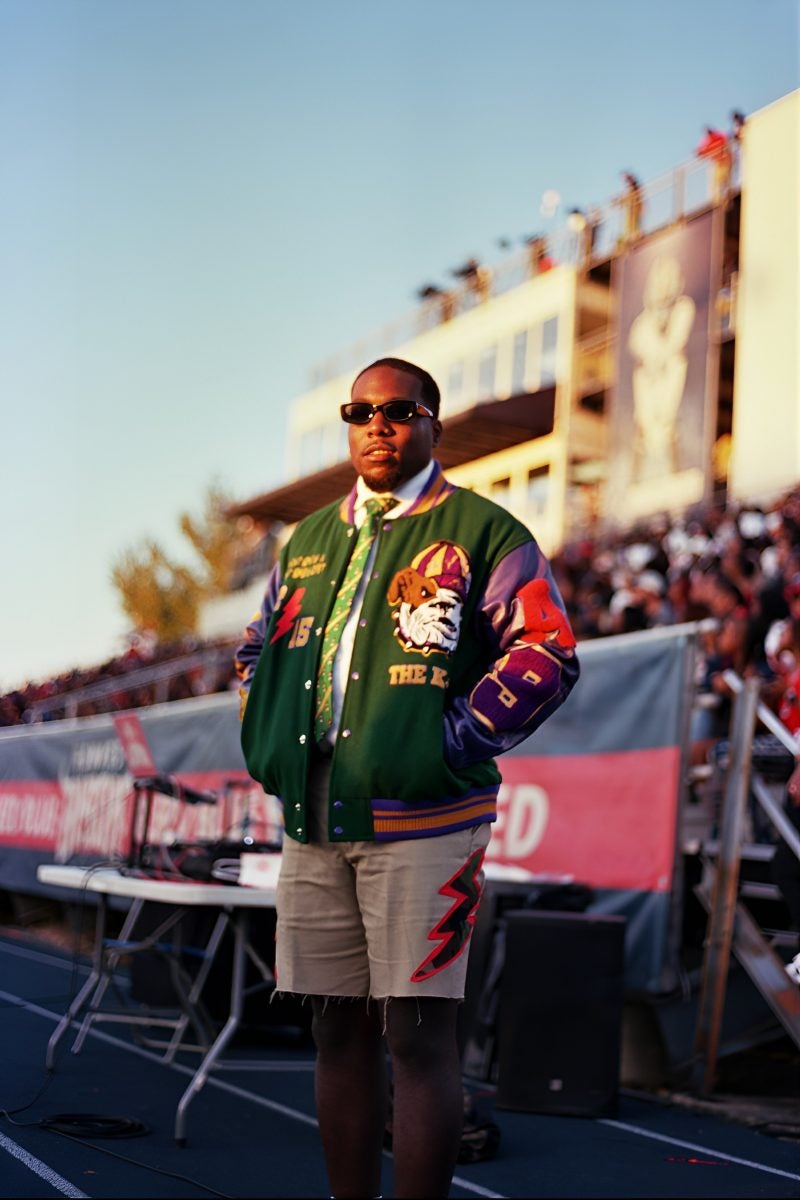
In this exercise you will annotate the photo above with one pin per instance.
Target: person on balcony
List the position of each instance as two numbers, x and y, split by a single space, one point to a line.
632 203
715 149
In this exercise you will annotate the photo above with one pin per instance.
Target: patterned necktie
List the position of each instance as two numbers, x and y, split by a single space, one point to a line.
341 610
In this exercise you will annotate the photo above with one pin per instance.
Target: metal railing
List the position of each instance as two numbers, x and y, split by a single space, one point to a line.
207 663
726 919
668 198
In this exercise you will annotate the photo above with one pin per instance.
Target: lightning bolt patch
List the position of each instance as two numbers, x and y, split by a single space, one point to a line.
452 932
290 612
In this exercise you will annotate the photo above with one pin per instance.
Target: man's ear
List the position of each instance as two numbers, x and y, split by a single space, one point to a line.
437 432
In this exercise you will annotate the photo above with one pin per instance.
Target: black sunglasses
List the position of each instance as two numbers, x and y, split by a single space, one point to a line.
396 412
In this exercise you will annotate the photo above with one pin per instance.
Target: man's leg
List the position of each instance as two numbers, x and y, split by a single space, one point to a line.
428 1112
351 1092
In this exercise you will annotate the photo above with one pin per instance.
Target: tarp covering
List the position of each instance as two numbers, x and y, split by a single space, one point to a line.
592 797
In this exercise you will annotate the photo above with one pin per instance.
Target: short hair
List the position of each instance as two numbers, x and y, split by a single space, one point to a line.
429 387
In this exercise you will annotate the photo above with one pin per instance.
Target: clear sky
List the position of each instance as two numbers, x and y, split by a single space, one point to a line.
202 199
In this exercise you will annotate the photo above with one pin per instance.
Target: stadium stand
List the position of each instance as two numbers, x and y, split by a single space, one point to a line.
733 563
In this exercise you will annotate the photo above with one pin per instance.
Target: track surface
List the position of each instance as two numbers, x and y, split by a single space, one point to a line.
253 1133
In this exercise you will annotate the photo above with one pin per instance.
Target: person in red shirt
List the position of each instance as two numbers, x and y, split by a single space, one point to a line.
715 148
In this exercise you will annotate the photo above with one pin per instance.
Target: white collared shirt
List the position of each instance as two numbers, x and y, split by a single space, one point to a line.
405 495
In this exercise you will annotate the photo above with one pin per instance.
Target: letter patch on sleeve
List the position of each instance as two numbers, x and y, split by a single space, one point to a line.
544 620
516 688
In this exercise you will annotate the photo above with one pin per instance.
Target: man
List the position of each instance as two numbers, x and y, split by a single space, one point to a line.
714 146
632 205
377 698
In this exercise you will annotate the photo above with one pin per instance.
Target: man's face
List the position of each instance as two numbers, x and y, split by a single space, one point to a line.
386 455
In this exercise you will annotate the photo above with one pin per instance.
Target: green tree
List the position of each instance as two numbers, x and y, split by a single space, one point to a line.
157 593
215 539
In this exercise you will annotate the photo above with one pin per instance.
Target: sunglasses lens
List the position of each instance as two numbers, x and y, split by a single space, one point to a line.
357 414
399 410
396 411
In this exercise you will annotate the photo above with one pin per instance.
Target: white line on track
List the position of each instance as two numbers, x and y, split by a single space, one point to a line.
476 1187
294 1114
41 1169
213 1081
705 1150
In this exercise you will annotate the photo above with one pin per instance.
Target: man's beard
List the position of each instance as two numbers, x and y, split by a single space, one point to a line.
383 477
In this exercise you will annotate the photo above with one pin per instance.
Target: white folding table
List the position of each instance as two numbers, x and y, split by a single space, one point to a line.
233 904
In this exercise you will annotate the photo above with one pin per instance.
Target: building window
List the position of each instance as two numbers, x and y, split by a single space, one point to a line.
500 490
538 491
518 362
486 373
547 372
455 381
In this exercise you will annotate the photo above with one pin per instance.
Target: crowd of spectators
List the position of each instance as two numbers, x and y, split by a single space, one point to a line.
46 700
734 567
736 564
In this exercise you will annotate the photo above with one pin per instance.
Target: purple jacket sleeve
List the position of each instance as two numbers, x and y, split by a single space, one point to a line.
249 652
532 665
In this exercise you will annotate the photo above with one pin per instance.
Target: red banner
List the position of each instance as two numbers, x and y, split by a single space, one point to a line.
606 820
592 797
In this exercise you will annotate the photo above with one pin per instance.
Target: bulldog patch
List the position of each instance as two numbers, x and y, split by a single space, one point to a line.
427 599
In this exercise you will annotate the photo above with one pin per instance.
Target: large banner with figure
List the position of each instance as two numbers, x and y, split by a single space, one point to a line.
593 797
664 400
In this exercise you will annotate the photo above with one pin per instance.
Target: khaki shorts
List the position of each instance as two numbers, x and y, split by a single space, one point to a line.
376 919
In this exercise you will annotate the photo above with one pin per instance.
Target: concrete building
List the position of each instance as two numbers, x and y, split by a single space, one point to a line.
642 360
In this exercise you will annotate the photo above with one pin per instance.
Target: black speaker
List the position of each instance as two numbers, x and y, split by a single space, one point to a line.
560 1013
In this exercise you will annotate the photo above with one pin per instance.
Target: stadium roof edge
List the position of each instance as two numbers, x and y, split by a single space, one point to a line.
476 432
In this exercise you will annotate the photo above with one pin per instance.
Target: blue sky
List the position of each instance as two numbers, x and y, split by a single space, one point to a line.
202 199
